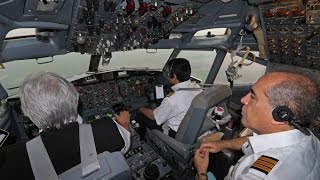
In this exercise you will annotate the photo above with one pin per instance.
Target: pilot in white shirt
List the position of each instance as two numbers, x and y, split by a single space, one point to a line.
278 156
174 107
281 109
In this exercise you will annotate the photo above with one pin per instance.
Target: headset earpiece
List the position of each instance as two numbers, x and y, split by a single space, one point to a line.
171 76
282 114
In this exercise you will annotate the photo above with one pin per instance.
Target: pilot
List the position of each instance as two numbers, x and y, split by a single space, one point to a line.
173 107
51 104
281 109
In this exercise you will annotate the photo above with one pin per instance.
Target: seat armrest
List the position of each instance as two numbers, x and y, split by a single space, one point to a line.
184 150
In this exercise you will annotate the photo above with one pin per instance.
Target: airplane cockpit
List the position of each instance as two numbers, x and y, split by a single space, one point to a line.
114 52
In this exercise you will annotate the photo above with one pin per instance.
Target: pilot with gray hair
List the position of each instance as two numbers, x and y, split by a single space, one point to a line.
51 103
282 109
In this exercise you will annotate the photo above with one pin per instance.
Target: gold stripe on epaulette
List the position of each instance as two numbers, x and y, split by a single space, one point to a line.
267 159
264 168
264 164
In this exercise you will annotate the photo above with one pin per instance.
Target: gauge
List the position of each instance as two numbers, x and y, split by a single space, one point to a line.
88 90
270 30
90 106
284 30
297 30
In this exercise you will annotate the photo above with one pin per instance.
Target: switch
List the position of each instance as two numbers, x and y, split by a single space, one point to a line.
143 8
166 11
130 7
101 23
96 5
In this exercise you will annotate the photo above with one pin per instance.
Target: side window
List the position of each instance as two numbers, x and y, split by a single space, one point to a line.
249 74
200 61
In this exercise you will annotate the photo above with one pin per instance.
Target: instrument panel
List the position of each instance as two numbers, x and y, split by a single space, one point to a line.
109 93
292 32
105 26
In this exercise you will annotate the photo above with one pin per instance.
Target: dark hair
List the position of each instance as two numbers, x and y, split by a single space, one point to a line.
301 94
180 67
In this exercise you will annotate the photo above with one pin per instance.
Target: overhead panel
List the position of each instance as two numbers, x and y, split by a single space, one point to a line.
292 32
51 7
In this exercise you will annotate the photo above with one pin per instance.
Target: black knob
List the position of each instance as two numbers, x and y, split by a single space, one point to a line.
149 24
81 21
76 47
164 163
89 4
101 23
106 5
154 22
151 172
98 31
82 48
90 30
91 14
134 28
85 13
138 174
96 5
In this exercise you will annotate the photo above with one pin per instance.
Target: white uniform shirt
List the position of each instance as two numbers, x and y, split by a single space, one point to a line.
296 155
173 108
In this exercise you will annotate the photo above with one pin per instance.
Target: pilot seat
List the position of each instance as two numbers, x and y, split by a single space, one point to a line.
179 151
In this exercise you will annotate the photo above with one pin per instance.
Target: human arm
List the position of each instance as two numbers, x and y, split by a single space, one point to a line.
123 124
160 114
201 163
124 119
147 112
218 146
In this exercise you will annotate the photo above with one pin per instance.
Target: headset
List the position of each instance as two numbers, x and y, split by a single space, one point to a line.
168 70
282 114
285 114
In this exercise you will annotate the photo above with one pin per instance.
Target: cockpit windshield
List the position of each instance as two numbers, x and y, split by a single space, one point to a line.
67 66
137 59
74 65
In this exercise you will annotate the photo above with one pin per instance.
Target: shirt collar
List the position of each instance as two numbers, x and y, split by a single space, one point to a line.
264 142
79 119
183 84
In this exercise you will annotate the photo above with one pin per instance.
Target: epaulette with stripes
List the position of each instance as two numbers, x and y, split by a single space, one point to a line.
264 164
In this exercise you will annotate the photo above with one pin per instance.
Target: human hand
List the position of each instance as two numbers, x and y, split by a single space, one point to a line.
212 147
201 161
212 137
124 119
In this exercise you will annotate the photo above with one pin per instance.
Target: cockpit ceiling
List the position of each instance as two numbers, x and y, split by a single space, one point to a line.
284 31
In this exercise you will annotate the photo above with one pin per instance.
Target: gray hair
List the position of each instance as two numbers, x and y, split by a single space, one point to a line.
301 94
49 100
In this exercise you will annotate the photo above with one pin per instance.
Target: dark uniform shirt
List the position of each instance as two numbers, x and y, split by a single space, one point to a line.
62 146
